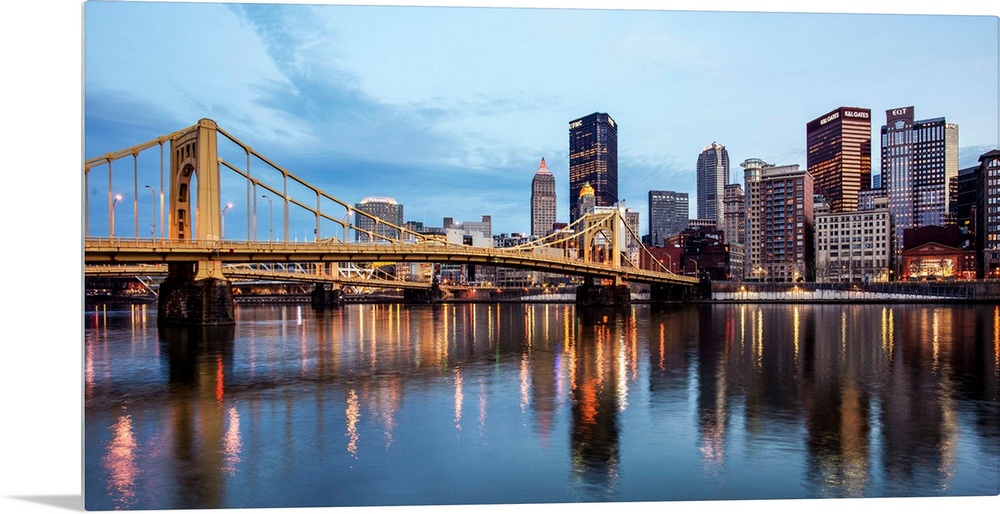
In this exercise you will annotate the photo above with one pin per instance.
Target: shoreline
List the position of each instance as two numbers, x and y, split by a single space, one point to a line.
301 300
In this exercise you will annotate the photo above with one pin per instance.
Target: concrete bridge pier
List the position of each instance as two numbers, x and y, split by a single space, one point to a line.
323 298
196 294
590 294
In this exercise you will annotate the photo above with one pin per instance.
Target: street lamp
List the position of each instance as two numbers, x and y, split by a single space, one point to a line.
270 226
152 226
223 230
113 202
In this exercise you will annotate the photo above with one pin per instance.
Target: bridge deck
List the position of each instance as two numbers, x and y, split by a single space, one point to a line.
137 251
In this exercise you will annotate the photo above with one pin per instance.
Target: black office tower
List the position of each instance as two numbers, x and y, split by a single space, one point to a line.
593 158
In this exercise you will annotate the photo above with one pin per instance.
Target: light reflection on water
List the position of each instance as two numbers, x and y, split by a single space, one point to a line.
512 403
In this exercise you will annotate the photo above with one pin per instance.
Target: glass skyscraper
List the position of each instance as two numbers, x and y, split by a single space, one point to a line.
386 210
593 158
713 177
919 160
668 215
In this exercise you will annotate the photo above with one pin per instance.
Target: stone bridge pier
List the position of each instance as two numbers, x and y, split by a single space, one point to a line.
673 293
592 294
186 299
323 298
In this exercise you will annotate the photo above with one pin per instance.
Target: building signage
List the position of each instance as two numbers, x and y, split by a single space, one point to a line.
864 115
900 113
575 124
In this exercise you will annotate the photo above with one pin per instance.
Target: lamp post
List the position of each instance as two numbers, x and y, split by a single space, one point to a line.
223 227
152 226
113 202
270 222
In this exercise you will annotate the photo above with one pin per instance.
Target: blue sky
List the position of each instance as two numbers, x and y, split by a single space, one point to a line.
449 110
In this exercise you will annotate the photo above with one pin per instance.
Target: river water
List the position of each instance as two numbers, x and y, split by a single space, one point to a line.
538 403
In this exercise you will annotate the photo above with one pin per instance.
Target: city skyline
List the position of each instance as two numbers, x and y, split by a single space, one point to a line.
305 86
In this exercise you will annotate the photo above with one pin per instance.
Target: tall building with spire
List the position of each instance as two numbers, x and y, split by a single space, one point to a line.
543 201
713 176
839 155
593 159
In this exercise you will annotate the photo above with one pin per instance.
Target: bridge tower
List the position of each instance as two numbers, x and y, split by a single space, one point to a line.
195 293
603 238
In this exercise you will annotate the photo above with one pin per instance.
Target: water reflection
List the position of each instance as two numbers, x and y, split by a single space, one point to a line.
121 463
742 401
201 442
596 392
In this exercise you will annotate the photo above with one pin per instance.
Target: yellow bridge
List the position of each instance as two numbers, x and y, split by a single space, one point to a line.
184 182
119 251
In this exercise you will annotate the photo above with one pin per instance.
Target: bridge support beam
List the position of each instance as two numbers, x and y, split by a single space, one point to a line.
185 299
323 298
597 295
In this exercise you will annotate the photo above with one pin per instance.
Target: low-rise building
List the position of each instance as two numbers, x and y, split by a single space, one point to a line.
854 246
937 253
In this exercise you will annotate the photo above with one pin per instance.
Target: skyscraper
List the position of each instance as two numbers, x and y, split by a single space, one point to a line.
543 201
839 155
713 176
387 210
593 158
668 215
919 159
779 234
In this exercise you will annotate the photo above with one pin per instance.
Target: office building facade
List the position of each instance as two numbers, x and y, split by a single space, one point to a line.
712 177
839 155
854 246
919 160
987 212
593 159
543 201
389 214
668 215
